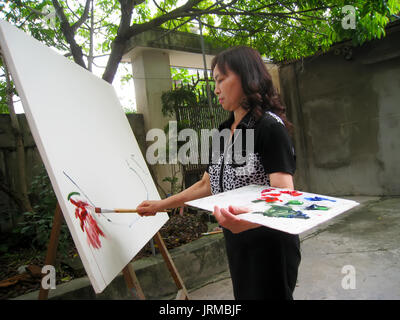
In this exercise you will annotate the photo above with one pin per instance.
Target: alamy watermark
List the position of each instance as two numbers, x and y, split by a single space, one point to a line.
349 280
199 148
49 278
349 20
49 16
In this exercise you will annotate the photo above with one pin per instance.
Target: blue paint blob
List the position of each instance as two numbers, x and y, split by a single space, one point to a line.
319 199
317 207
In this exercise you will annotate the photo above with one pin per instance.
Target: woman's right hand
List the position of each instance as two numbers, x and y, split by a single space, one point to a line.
199 190
150 207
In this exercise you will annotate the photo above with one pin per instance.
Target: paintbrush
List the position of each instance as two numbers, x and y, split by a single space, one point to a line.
102 210
210 233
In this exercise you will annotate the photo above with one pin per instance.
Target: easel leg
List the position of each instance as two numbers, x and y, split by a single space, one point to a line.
132 282
182 292
52 246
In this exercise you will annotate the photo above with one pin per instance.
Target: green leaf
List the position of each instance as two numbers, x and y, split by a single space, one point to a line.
25 229
73 194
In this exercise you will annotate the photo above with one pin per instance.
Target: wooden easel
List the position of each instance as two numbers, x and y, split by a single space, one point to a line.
131 280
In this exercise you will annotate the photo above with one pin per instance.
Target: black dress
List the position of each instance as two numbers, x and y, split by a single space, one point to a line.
263 262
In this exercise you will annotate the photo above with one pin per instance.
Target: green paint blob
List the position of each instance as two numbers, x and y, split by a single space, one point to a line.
283 212
256 201
294 202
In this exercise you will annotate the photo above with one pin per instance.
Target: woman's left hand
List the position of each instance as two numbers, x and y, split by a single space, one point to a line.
229 220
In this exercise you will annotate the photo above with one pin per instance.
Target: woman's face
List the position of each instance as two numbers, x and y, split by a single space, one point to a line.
228 88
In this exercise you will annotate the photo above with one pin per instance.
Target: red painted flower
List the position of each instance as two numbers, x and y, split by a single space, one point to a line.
87 222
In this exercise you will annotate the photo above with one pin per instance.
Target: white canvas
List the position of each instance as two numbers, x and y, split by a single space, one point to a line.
88 147
246 196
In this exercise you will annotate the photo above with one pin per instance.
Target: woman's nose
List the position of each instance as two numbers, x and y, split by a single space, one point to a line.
217 91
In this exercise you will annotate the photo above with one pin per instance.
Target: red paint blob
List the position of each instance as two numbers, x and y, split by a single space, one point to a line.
292 193
274 194
271 199
88 223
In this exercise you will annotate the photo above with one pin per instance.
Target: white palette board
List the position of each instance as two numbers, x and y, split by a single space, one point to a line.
87 146
245 196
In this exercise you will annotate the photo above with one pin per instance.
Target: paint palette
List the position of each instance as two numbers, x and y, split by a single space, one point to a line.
290 211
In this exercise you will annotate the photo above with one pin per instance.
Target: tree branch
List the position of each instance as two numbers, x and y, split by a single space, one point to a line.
184 11
240 28
184 22
189 10
69 34
161 9
83 18
125 32
119 43
33 10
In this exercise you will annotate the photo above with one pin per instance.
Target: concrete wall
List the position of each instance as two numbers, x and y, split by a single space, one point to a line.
344 106
199 262
273 70
8 163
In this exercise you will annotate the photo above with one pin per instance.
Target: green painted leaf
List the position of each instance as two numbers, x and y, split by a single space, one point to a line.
73 194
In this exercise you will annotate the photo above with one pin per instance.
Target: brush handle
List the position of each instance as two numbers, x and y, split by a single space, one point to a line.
210 233
135 211
100 210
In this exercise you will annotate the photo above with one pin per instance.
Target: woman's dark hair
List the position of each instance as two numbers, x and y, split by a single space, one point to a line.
261 95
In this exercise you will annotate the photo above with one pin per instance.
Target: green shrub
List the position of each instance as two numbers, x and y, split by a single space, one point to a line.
36 226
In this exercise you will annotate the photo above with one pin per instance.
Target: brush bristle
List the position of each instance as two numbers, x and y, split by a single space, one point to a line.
97 210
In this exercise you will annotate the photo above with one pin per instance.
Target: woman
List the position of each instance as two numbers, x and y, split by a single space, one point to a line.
263 262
